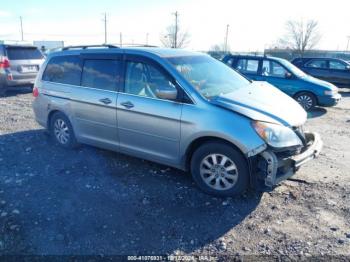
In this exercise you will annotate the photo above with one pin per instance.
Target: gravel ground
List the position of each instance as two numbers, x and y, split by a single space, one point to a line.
91 201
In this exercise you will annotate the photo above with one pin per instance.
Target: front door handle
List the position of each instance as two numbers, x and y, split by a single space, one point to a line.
127 104
106 101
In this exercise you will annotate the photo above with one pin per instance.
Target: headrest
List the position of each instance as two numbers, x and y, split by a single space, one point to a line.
136 74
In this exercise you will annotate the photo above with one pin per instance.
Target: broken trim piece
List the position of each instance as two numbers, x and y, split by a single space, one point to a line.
272 165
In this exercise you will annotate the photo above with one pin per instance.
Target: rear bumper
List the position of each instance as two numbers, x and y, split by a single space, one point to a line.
13 80
274 169
20 82
329 100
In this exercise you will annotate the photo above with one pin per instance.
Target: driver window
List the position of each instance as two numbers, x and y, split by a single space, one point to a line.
271 68
143 80
337 65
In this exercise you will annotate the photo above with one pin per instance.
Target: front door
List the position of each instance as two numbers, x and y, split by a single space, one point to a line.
278 76
148 126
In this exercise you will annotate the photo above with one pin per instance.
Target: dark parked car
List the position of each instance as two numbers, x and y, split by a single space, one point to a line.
307 90
333 70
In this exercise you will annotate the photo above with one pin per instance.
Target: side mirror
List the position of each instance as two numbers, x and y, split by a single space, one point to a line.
288 75
348 67
169 93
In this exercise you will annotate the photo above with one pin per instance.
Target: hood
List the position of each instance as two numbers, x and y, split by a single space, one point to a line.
263 102
320 83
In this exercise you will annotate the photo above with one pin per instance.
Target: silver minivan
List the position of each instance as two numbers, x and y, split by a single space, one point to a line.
19 65
179 108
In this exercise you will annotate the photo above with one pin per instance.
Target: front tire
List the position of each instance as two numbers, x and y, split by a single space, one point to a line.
61 131
306 99
219 169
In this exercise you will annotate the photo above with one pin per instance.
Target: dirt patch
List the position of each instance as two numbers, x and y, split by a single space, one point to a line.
91 201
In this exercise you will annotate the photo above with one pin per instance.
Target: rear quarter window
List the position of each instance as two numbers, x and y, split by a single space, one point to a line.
20 53
319 63
249 66
64 70
298 62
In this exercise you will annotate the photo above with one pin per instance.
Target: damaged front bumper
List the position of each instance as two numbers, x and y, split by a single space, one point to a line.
274 167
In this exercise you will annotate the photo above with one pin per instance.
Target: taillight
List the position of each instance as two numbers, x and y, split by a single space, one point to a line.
4 62
35 92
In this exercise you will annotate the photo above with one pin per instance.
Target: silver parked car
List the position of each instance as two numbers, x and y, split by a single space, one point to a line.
19 65
178 108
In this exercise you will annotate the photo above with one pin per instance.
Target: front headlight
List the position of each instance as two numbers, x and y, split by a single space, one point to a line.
276 135
331 92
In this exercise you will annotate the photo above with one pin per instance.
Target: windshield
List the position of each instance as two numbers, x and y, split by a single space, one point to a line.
296 71
208 76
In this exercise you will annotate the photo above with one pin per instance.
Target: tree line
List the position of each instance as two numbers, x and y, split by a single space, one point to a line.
300 36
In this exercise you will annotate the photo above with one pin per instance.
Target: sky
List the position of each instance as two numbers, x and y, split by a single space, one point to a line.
253 24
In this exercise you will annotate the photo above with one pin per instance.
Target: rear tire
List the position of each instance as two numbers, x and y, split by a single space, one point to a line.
61 131
306 99
219 169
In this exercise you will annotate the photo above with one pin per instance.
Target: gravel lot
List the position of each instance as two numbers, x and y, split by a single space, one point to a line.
92 201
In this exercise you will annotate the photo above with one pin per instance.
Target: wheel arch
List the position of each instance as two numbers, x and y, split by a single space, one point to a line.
196 143
53 112
49 117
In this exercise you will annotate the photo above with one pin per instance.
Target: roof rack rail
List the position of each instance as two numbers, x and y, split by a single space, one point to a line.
138 45
87 46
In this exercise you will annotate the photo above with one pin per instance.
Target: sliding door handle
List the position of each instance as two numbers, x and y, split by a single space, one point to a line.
127 104
106 101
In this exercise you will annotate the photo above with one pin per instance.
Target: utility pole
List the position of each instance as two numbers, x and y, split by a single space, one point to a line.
176 29
20 19
147 38
226 37
105 24
347 45
120 39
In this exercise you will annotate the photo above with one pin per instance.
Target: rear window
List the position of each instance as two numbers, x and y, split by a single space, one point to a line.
22 53
64 70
